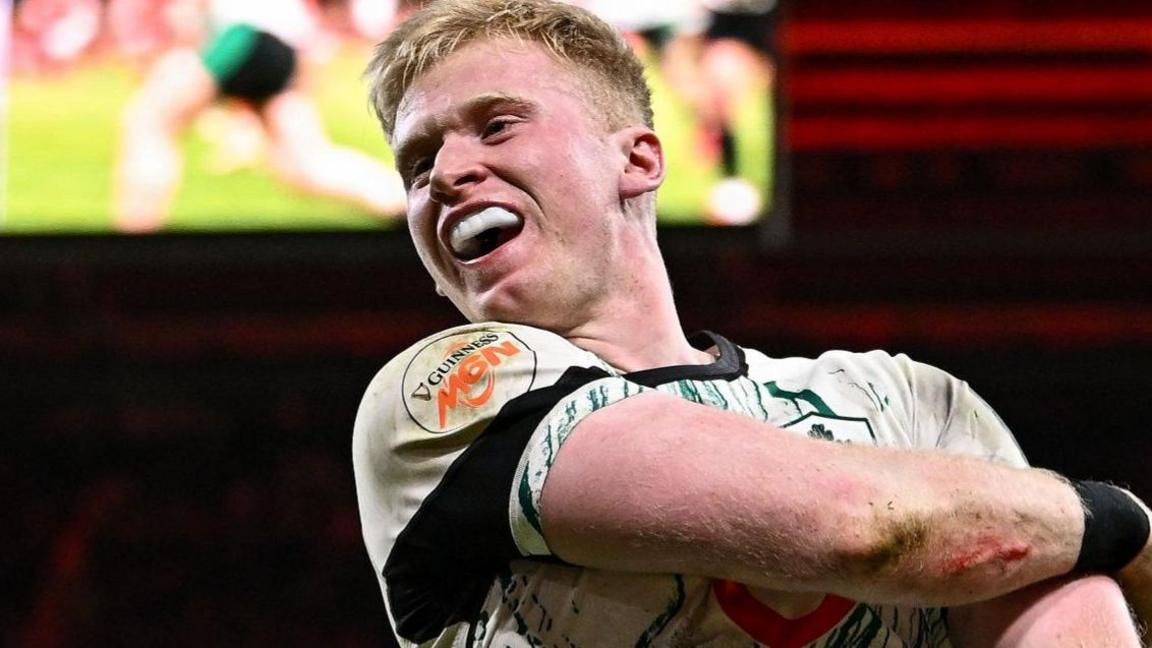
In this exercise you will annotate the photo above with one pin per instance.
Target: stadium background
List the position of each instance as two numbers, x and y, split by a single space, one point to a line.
969 184
64 130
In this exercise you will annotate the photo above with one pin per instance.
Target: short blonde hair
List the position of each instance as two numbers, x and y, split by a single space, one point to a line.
571 34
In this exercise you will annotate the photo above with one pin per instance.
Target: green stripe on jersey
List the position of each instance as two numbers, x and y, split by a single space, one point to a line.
806 395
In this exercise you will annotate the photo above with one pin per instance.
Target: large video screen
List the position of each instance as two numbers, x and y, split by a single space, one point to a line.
142 116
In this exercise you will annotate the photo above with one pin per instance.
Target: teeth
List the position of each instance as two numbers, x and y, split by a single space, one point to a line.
464 237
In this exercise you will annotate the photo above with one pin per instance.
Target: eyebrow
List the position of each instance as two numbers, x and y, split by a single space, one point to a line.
429 129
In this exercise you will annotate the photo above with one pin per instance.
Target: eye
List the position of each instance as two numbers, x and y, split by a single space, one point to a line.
497 126
418 170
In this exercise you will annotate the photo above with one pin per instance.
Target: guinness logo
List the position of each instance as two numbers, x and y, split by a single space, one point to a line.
456 379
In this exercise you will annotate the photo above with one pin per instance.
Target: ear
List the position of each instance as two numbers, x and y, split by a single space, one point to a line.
643 170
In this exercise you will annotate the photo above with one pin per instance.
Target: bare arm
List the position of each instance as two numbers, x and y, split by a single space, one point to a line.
1089 611
1136 580
694 490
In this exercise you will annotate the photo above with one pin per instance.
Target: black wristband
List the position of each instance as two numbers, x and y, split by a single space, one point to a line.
1115 527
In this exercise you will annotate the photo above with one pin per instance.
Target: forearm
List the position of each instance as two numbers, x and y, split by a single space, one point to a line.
1088 611
706 492
1136 579
935 529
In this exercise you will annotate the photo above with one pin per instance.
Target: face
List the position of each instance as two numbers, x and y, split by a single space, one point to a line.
514 188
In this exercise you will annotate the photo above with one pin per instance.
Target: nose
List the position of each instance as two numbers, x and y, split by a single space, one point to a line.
457 168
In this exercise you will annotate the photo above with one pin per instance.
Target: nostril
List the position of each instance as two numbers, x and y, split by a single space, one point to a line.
467 179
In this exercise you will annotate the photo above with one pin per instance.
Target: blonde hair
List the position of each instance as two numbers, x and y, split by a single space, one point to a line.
571 34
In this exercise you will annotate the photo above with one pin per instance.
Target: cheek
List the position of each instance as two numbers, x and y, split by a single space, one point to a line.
433 262
421 221
424 240
592 169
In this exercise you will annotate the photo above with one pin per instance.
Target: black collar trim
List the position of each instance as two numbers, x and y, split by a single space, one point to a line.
729 365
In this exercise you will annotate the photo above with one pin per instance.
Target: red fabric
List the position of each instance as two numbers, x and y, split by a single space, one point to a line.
767 626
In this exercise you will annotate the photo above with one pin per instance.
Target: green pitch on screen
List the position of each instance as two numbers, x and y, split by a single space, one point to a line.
62 141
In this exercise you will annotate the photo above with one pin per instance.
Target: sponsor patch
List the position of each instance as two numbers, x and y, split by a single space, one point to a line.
462 377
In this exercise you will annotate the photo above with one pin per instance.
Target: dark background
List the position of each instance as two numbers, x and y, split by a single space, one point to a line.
969 185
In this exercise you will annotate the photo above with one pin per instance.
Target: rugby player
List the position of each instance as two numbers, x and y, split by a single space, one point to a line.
252 58
571 469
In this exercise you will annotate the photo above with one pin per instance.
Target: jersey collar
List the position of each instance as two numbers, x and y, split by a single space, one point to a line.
729 365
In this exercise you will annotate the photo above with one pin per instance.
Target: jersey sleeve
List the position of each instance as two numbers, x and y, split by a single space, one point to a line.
451 444
948 415
543 447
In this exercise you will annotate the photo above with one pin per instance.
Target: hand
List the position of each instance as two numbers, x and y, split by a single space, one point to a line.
1136 580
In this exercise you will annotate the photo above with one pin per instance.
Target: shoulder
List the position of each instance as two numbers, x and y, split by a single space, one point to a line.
874 365
917 403
897 380
458 376
432 402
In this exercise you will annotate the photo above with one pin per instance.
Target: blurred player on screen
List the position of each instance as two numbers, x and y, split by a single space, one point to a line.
251 54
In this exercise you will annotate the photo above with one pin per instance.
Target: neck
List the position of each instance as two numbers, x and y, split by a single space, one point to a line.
638 350
638 328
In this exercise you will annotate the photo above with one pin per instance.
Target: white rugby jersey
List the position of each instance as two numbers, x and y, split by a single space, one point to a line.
455 437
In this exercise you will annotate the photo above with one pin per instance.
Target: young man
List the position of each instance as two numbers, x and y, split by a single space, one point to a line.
586 475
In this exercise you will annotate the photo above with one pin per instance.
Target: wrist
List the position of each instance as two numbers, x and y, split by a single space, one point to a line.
1116 527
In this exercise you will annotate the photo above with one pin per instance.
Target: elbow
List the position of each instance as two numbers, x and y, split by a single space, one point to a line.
880 548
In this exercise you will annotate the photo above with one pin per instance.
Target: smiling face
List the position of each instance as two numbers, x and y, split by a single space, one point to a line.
516 191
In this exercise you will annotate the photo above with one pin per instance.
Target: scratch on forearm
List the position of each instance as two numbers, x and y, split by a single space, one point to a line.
984 551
